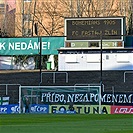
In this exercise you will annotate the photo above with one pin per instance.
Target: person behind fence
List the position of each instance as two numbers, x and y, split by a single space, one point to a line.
27 104
22 105
71 108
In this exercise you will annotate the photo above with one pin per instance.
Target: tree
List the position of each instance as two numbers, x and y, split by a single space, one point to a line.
94 8
50 14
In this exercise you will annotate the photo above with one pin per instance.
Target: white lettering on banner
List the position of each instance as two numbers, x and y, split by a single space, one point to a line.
70 98
45 45
25 46
52 97
2 47
3 109
11 46
37 108
15 109
91 96
96 98
17 46
36 45
125 100
123 110
85 97
118 98
114 98
30 46
109 98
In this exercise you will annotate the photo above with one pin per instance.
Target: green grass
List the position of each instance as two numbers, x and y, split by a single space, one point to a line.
43 123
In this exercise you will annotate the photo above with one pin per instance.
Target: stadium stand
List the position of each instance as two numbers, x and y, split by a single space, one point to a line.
112 80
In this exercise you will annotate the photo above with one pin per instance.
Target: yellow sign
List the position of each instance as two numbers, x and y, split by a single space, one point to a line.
81 109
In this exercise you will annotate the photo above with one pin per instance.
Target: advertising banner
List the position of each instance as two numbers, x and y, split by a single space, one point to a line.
3 109
79 109
86 98
57 109
117 98
9 109
4 100
14 109
121 109
30 46
70 97
38 108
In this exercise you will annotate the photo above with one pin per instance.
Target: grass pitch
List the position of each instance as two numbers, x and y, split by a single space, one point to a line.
44 123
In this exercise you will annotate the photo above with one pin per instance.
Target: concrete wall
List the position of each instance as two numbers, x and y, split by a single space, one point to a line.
91 60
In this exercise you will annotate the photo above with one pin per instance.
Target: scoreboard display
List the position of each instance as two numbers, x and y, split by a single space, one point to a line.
83 29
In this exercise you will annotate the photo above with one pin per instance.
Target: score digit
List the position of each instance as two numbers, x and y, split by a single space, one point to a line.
109 22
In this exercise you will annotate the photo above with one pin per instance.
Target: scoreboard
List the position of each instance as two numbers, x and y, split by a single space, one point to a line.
91 29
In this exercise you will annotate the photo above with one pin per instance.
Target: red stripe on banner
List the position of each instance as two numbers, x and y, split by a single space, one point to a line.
121 109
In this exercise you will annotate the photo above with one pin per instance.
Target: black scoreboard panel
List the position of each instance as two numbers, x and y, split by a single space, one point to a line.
94 29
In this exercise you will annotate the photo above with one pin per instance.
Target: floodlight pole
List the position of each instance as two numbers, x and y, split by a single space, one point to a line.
40 62
40 51
101 71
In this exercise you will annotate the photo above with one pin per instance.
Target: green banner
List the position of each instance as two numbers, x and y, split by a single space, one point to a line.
4 100
30 46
